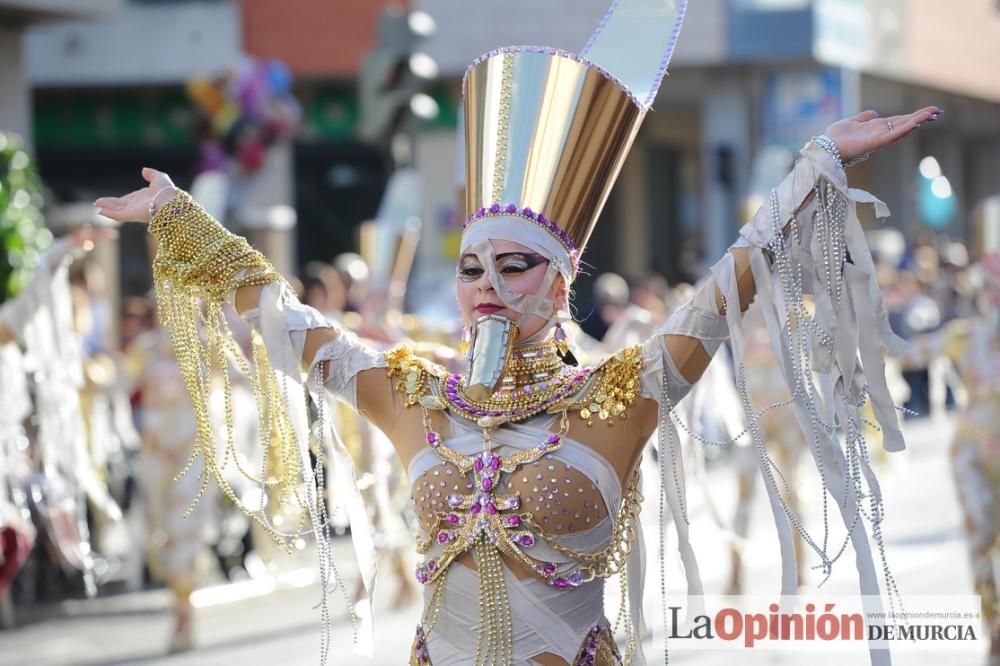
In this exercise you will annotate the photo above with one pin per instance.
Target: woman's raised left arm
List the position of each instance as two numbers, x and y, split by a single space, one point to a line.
699 327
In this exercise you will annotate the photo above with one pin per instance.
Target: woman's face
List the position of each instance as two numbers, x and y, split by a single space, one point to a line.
521 269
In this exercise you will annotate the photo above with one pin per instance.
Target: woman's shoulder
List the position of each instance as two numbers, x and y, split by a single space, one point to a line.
413 373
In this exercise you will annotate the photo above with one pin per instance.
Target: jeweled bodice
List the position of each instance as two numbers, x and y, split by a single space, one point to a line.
529 500
521 486
562 498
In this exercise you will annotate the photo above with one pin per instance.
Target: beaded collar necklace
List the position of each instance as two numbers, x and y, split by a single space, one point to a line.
535 380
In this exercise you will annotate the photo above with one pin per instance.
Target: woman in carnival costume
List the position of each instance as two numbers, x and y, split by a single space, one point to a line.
37 340
176 540
975 345
523 468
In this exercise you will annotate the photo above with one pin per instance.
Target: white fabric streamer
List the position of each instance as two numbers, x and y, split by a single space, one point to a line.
282 322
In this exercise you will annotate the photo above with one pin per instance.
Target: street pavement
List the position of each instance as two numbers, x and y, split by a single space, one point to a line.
273 621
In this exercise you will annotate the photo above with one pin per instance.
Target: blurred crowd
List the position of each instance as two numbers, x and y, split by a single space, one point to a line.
929 289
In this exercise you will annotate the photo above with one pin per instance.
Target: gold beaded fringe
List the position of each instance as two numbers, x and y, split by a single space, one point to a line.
198 263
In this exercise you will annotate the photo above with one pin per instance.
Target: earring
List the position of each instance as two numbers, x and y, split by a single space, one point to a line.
463 347
562 344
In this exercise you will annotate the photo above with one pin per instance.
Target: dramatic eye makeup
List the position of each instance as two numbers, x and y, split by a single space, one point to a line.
469 268
508 263
513 263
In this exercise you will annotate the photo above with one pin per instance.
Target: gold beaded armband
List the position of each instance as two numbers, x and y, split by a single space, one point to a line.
195 251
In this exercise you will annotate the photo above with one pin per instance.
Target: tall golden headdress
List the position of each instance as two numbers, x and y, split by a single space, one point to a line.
547 131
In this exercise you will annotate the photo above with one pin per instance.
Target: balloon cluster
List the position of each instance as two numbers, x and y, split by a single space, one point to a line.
243 113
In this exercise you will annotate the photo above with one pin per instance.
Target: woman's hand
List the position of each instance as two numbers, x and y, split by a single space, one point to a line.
867 131
137 206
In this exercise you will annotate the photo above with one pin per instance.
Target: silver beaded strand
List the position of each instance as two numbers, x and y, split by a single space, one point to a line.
665 409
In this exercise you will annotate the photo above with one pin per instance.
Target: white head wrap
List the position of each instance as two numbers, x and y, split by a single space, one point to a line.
476 240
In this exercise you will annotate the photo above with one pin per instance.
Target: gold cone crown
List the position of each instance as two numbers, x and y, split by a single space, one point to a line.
546 133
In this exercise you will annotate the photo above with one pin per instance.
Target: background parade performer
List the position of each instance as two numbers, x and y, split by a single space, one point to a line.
975 345
38 341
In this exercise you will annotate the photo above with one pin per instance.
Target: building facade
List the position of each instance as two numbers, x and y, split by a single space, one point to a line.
17 17
751 80
112 95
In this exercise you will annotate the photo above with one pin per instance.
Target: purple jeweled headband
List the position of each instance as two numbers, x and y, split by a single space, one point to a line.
511 210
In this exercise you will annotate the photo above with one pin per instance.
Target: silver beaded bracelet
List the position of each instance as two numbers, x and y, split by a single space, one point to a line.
830 146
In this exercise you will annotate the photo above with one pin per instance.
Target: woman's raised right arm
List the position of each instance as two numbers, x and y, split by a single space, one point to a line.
195 252
199 267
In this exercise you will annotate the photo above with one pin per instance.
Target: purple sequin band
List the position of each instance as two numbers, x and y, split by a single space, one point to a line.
511 210
454 392
548 50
